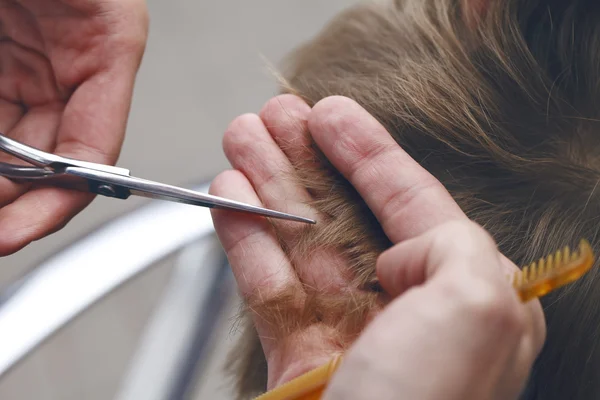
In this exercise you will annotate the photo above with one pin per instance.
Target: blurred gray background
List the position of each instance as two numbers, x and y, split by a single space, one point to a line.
203 66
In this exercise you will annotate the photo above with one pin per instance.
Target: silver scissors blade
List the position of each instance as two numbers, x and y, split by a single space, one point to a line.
114 181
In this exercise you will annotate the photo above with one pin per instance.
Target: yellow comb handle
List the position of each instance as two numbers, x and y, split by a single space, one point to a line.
309 386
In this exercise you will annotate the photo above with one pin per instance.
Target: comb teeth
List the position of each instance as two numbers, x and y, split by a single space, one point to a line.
556 270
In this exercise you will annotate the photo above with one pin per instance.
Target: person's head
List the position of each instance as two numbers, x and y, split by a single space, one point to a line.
500 100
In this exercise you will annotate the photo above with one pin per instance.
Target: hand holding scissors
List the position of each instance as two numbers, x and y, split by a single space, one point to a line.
67 71
109 181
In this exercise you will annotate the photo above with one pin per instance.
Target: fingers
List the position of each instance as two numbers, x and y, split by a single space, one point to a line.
408 201
285 117
95 119
28 214
37 128
424 332
404 197
464 314
252 149
252 248
260 266
10 113
460 262
36 214
461 248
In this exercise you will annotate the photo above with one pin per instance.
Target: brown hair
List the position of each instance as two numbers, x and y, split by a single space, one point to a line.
503 108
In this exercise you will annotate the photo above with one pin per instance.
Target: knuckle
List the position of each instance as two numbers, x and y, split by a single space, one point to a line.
283 104
464 227
464 237
135 36
328 113
495 307
239 131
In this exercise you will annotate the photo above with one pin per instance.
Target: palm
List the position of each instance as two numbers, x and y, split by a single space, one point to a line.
66 78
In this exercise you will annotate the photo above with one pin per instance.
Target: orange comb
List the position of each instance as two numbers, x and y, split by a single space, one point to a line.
534 280
309 386
552 272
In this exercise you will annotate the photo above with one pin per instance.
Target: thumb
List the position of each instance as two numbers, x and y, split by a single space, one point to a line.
461 247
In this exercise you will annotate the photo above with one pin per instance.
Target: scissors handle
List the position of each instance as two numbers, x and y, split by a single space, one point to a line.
17 172
51 161
65 179
33 156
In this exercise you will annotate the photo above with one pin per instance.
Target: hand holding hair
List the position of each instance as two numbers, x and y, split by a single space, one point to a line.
295 297
456 329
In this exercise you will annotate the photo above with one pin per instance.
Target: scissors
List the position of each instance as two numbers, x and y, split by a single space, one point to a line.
112 181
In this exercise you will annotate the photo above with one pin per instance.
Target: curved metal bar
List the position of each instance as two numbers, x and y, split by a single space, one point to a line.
177 340
12 171
26 153
76 278
42 159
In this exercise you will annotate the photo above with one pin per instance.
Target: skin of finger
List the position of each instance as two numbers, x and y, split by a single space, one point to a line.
84 38
258 263
425 337
27 77
255 255
36 214
10 114
92 128
348 165
412 263
95 119
403 266
286 119
251 149
20 26
422 333
37 129
416 260
404 197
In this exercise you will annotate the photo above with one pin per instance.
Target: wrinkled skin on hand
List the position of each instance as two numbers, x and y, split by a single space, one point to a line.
408 203
67 70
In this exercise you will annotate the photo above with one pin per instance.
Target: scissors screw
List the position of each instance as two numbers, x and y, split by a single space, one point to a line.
107 190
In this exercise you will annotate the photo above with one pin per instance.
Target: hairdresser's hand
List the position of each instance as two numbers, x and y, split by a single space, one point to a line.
456 331
405 198
67 69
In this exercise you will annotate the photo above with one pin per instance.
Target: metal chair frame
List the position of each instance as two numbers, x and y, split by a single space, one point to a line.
70 282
